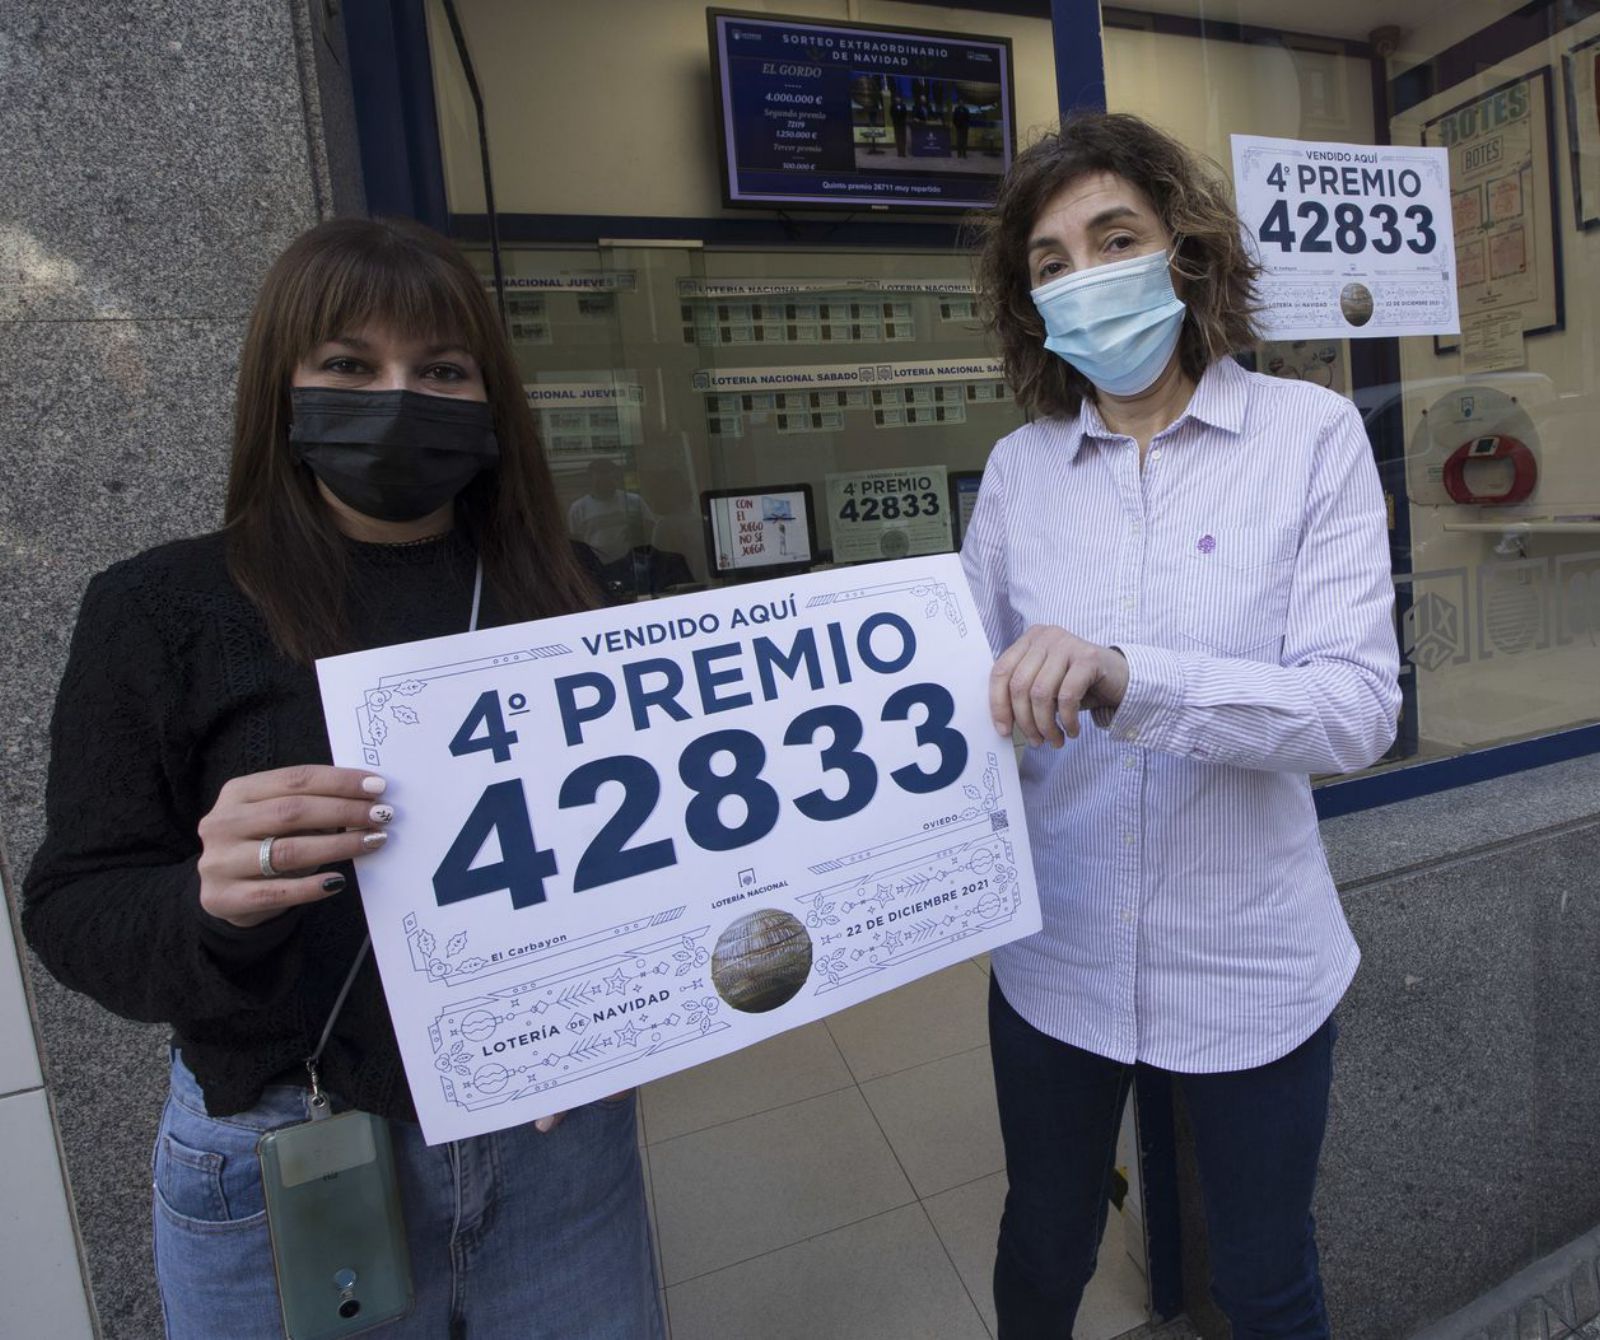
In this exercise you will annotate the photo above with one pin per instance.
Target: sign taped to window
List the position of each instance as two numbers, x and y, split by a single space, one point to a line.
1354 240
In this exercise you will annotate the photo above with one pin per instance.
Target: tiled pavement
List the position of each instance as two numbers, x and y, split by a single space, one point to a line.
844 1180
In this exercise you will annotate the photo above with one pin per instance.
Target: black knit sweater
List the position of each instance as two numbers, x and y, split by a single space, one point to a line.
173 687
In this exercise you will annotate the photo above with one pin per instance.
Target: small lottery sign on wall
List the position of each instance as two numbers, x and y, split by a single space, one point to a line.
874 514
1354 240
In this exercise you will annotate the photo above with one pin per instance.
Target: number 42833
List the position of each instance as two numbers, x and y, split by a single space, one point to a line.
1350 228
523 867
889 507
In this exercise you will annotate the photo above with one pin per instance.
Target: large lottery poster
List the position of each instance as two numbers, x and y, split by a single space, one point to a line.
1502 204
633 840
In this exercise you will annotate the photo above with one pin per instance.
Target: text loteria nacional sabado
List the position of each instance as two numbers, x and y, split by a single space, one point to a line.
836 375
635 839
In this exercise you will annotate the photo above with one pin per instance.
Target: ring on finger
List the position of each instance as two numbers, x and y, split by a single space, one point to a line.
264 859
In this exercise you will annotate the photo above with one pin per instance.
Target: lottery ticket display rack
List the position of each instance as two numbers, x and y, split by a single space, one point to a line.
864 375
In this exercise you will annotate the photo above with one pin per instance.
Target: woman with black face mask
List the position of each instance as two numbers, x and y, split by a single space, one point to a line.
201 858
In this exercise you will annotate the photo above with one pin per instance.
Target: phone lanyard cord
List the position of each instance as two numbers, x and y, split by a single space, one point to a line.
319 1100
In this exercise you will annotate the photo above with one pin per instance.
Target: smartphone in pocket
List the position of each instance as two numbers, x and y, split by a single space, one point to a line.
338 1239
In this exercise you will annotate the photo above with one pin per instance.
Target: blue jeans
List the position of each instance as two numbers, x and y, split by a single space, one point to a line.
1257 1135
514 1234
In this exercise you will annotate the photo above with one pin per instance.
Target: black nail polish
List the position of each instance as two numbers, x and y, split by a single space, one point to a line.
333 884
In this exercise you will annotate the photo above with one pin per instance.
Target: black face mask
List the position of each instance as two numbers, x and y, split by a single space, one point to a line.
393 455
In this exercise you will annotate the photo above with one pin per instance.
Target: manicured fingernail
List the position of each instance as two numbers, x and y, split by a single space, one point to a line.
372 841
381 814
333 884
373 786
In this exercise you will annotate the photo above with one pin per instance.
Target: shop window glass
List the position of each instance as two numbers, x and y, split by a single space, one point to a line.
1498 602
664 371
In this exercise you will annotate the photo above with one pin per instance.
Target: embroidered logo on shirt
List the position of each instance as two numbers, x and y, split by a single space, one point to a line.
1206 544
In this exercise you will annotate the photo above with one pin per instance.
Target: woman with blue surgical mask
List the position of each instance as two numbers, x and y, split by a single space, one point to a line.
1196 557
1118 322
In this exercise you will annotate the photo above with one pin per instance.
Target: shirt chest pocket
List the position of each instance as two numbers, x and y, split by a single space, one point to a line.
1230 591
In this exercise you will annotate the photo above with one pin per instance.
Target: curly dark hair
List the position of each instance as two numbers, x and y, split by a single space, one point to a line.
1192 199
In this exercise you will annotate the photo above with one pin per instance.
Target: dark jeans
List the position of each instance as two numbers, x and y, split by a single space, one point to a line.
1257 1136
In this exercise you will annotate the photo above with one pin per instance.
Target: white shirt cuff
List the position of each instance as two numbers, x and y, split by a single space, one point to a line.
1153 695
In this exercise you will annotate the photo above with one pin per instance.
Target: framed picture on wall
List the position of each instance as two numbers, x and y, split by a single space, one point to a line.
1504 204
1581 66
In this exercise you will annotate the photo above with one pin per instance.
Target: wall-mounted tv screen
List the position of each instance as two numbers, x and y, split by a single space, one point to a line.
759 532
817 114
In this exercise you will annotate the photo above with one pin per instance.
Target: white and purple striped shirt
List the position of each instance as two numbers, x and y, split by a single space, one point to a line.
1190 921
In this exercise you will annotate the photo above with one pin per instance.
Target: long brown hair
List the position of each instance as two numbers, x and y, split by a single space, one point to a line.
284 550
1192 200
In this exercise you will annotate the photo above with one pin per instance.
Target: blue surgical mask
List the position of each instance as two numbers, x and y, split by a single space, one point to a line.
1117 324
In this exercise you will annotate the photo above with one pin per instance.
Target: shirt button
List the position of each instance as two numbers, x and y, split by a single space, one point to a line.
1127 839
1156 454
1130 734
1130 760
1125 916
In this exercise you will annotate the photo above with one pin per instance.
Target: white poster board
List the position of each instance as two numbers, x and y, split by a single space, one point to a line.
1354 240
632 840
